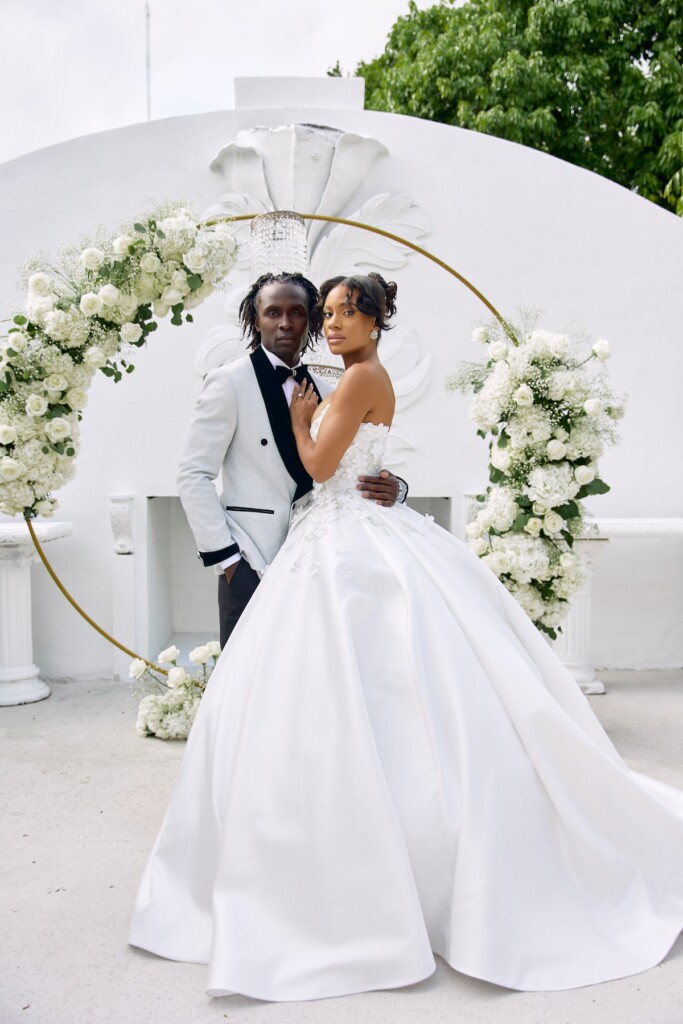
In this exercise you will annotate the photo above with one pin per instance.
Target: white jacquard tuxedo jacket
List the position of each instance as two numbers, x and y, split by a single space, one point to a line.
241 428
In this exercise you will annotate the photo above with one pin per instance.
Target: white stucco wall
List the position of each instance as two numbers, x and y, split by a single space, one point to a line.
526 229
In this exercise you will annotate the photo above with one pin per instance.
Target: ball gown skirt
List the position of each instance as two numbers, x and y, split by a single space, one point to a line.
390 762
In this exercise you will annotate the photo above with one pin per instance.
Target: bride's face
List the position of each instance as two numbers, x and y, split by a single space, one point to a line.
347 328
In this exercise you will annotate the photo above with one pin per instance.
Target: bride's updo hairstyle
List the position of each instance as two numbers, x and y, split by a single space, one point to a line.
374 296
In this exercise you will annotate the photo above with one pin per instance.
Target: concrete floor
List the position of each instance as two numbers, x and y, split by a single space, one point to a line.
82 799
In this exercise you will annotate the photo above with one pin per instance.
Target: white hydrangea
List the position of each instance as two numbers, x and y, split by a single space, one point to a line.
528 556
529 599
552 485
488 405
528 427
500 510
570 580
38 306
584 442
179 232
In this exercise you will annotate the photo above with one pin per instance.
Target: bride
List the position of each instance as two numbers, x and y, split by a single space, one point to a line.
389 761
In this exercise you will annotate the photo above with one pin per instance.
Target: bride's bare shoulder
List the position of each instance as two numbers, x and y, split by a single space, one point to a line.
366 373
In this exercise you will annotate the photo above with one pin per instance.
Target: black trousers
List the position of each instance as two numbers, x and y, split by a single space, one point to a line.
234 597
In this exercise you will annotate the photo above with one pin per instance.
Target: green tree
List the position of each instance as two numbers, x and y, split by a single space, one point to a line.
598 83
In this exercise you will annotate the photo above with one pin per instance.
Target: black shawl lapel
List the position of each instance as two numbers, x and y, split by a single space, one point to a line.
280 422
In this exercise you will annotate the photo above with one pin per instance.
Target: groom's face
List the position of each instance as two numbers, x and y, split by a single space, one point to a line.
282 320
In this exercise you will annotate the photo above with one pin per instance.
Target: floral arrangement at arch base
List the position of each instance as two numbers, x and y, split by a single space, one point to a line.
170 702
545 403
88 312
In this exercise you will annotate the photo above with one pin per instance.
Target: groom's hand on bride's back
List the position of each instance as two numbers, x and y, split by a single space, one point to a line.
384 489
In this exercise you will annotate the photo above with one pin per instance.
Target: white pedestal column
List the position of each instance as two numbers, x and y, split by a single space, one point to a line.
573 644
19 677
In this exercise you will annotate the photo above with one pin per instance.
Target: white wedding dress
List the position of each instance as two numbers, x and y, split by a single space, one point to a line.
390 762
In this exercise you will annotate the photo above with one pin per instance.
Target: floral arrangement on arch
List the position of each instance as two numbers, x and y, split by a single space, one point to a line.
545 403
170 704
88 312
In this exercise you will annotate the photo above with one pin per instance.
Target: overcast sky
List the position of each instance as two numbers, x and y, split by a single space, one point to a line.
72 67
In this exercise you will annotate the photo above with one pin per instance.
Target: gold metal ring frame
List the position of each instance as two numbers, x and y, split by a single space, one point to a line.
250 216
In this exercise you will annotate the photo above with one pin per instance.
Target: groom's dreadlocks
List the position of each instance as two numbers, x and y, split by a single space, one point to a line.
249 305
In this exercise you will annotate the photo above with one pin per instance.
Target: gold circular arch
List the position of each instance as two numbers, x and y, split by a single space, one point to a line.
246 217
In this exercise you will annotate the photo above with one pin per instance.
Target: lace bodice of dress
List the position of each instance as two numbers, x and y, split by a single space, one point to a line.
364 456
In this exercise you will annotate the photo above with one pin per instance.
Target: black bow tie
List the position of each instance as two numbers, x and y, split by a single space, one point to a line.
283 373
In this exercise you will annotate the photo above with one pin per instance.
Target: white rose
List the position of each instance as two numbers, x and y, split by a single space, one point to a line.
77 398
109 294
45 507
150 263
498 350
160 309
501 561
533 526
568 561
171 296
90 304
214 648
560 433
539 509
195 298
559 346
553 523
524 395
199 655
36 405
137 669
94 357
39 284
195 260
474 530
58 429
130 333
478 545
602 350
176 676
168 655
56 382
120 244
584 475
92 259
501 458
556 450
10 469
179 281
17 341
8 435
593 406
480 334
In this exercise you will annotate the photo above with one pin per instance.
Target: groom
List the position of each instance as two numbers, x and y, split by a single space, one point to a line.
241 429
